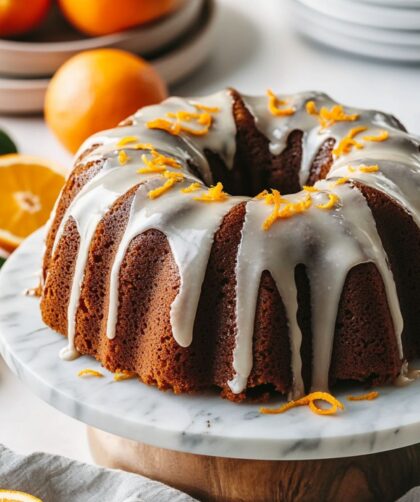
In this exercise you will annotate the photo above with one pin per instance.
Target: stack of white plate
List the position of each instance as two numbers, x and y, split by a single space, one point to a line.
386 29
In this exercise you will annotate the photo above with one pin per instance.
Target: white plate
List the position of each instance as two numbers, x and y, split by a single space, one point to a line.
42 58
367 14
27 95
414 4
368 33
357 46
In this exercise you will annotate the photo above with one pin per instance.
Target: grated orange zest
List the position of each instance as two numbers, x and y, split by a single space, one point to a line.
205 108
290 209
333 199
126 140
370 396
192 188
328 118
143 146
122 157
274 104
309 400
382 136
369 169
90 372
120 375
310 188
347 143
213 194
340 181
261 195
171 179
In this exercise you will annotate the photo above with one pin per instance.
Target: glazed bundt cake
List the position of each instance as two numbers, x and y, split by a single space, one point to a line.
252 244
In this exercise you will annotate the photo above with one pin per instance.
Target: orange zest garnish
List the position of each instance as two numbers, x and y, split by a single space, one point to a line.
328 118
340 181
290 208
126 140
122 157
202 118
310 188
261 195
120 375
333 199
205 108
369 169
143 146
213 194
347 143
192 188
309 400
158 163
364 397
274 104
382 136
90 372
171 179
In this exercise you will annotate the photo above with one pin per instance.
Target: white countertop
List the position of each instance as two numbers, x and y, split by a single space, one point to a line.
256 49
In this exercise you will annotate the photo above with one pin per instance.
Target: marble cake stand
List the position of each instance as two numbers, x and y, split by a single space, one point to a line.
209 447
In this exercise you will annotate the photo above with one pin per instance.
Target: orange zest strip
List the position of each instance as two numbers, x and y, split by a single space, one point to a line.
172 178
340 181
213 194
333 199
289 209
127 139
369 169
274 104
122 157
309 400
310 189
328 118
192 188
370 396
202 118
205 108
120 375
90 372
261 195
382 136
347 143
143 146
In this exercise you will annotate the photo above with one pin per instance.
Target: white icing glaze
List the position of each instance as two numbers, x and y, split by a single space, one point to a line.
328 242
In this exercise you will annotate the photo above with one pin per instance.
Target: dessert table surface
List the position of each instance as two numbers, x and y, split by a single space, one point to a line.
256 48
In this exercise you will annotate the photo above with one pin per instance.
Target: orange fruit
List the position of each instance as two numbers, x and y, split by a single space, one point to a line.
21 16
100 17
29 187
95 90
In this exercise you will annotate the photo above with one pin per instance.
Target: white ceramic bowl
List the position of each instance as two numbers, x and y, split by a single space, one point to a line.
19 96
42 58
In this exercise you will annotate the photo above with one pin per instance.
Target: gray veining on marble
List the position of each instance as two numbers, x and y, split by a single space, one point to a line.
204 424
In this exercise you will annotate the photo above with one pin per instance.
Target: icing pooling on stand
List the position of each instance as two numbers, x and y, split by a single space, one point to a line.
332 234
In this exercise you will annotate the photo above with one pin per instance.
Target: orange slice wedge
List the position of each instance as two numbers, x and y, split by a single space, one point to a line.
14 496
29 187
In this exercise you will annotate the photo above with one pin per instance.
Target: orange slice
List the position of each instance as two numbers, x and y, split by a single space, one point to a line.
29 187
14 496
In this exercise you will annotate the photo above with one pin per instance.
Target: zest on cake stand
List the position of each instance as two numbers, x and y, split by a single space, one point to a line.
209 447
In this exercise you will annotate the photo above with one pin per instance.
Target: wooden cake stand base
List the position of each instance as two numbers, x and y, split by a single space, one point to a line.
381 476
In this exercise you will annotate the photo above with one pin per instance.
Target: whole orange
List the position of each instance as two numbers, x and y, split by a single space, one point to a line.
100 17
20 16
95 90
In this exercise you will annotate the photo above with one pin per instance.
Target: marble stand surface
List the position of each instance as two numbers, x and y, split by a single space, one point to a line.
202 424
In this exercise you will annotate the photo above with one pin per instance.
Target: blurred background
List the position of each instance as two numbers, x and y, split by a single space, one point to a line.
63 76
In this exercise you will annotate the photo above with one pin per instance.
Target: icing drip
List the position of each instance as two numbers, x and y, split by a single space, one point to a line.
189 228
329 228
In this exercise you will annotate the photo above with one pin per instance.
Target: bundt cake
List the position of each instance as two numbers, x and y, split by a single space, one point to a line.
250 244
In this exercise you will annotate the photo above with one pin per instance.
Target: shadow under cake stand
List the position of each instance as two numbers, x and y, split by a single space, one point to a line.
211 448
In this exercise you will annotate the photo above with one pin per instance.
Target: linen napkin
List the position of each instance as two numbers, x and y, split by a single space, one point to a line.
58 479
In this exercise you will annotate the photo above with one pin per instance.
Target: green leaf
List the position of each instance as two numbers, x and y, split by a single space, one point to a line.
6 144
2 260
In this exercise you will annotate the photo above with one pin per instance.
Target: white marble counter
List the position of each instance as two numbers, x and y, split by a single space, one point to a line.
255 49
